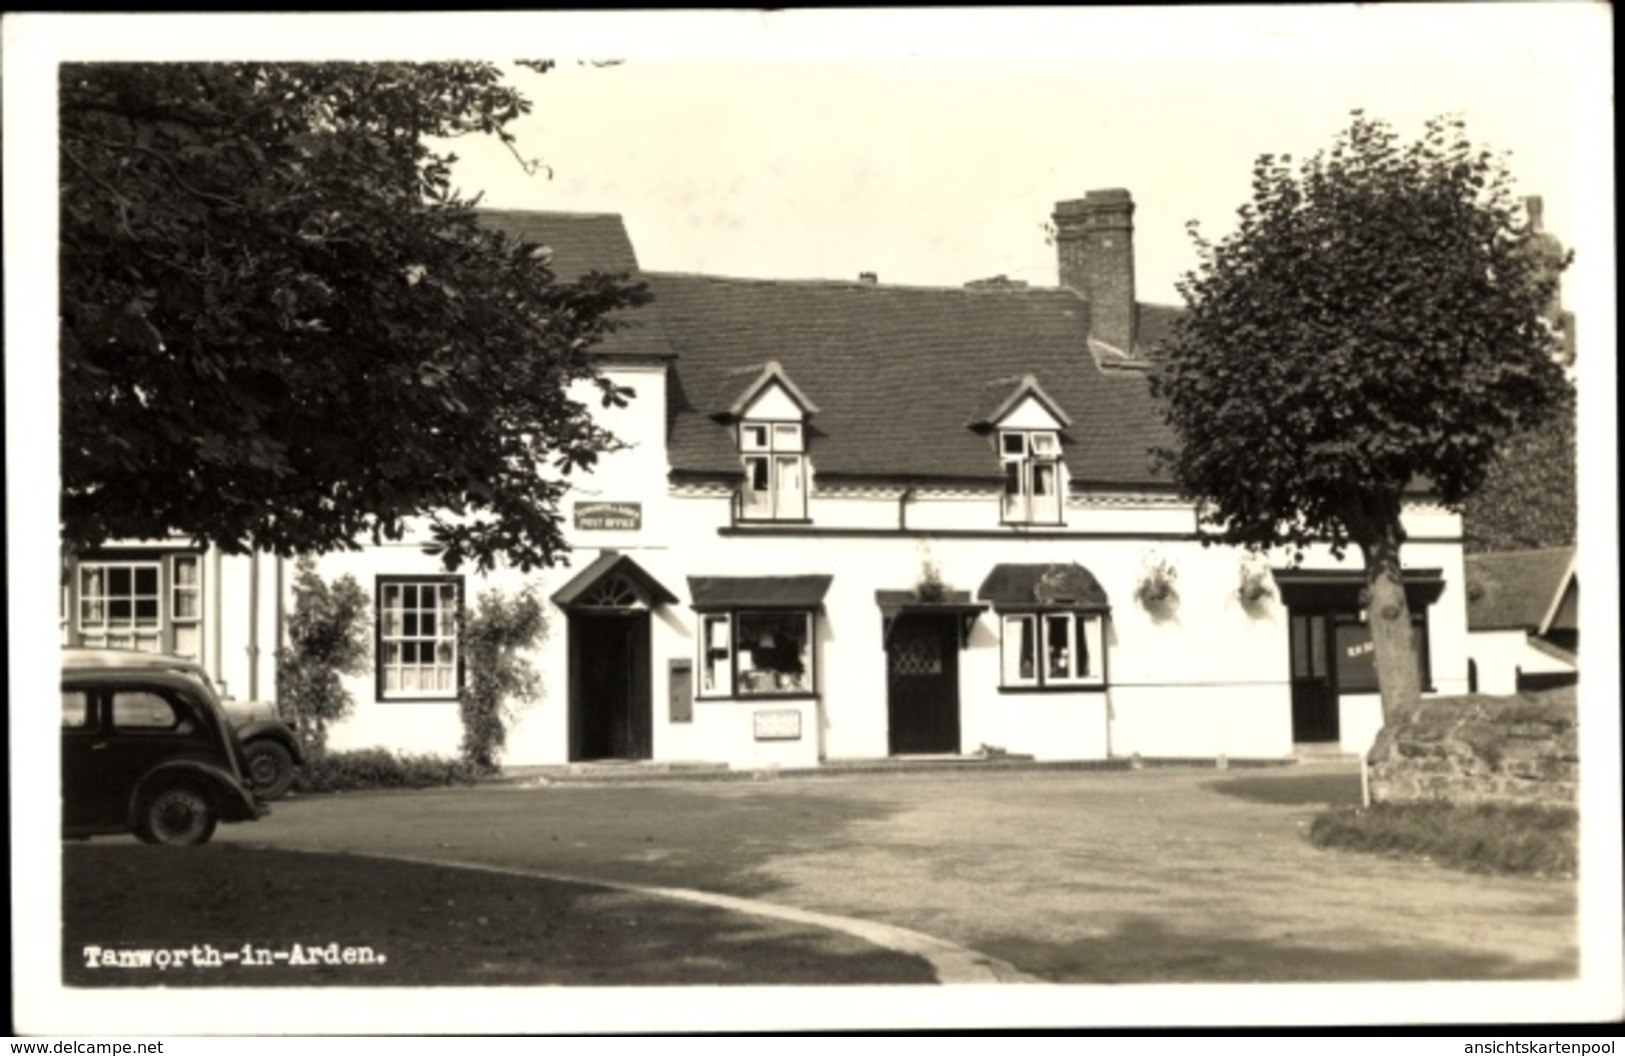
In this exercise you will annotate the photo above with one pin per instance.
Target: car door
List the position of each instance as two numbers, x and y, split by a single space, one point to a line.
83 797
146 725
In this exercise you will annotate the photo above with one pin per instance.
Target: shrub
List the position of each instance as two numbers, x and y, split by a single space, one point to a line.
373 768
1483 838
499 678
328 637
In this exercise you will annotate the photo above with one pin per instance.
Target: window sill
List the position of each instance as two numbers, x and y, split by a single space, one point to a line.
760 698
1032 524
773 520
419 699
1069 687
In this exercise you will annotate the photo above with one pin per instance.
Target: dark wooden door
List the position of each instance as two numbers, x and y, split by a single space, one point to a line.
1314 678
922 685
611 713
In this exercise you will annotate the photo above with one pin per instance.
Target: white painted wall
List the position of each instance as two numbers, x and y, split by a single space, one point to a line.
1203 677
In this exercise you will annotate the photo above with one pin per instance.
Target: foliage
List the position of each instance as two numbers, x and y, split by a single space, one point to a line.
498 676
328 637
372 768
282 326
1485 838
1529 499
1375 323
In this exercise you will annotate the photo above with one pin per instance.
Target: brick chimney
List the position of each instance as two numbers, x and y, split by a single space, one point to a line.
1094 241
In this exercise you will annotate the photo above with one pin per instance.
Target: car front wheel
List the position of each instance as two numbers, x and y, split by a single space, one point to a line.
270 768
178 815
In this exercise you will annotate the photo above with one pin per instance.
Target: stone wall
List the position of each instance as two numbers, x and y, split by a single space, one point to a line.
1481 749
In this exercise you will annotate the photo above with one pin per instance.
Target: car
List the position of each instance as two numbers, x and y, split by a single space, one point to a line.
150 752
274 752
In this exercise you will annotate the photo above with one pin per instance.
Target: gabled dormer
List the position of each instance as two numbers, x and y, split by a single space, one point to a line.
769 415
1026 425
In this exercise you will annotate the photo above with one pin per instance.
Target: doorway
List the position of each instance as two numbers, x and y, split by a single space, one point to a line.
611 710
922 684
1314 678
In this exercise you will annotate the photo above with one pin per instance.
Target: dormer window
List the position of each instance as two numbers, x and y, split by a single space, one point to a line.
775 459
1032 476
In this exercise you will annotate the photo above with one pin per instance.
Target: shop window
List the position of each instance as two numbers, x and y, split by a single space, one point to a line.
775 461
1032 477
1052 650
1356 653
152 604
418 657
756 654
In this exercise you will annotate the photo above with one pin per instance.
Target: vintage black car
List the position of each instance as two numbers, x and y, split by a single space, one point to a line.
273 749
150 752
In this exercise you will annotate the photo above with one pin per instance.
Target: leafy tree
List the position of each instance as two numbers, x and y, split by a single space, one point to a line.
1374 324
329 636
282 327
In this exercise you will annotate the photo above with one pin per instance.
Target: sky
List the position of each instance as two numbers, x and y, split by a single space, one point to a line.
935 169
928 147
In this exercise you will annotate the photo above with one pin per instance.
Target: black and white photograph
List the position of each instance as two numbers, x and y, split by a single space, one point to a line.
786 521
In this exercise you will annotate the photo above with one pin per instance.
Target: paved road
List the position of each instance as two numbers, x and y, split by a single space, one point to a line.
1146 876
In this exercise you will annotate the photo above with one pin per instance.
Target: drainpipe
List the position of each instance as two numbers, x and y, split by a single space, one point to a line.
902 507
277 646
216 617
254 625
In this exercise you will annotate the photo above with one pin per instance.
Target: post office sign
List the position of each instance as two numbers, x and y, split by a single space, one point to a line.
609 516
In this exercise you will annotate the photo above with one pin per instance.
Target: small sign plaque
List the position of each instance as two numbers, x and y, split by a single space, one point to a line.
609 516
778 725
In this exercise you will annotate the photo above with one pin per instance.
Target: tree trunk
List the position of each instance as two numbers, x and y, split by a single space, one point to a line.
1389 617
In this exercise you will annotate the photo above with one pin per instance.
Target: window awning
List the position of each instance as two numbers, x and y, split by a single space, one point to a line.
603 570
956 603
716 593
1049 586
1335 588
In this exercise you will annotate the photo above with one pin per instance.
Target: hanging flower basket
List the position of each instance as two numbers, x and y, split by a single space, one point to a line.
1156 586
1256 582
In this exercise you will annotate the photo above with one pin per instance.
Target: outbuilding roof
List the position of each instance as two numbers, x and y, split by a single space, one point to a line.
1518 589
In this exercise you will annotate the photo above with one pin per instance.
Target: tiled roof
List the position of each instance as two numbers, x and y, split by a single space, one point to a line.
897 371
582 243
1518 589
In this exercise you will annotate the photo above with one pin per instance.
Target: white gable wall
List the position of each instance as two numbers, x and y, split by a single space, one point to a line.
1030 413
774 404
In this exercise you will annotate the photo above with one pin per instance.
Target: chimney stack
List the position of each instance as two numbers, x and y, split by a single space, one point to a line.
1094 241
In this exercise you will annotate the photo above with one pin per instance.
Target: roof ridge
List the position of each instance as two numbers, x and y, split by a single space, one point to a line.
855 284
552 214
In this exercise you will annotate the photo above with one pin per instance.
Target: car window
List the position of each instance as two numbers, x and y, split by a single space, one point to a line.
75 709
139 709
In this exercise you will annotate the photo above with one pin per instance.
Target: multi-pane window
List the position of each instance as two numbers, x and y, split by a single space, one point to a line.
775 460
1032 477
417 637
1041 649
150 604
756 654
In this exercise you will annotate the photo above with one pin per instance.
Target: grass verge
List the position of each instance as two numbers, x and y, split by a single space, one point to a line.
1481 838
250 917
